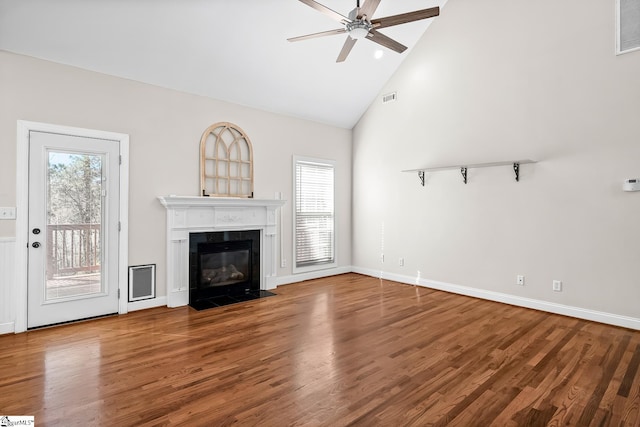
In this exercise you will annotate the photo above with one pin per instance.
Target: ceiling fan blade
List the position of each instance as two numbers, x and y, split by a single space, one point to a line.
324 9
321 34
368 9
346 48
385 41
403 18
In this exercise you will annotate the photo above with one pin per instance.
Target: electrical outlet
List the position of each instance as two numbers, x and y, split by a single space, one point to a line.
520 280
382 258
8 213
557 286
283 263
401 262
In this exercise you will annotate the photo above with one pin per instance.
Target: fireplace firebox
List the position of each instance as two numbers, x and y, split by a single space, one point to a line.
224 268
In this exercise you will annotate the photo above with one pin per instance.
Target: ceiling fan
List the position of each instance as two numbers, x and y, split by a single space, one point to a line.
359 25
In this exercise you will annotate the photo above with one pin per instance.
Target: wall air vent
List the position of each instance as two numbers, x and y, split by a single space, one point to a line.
389 97
142 282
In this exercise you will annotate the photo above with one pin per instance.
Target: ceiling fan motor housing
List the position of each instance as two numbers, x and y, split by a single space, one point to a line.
359 28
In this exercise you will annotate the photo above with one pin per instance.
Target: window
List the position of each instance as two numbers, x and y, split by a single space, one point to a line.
628 26
314 215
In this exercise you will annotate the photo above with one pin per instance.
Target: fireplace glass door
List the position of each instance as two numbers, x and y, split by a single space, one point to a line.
223 266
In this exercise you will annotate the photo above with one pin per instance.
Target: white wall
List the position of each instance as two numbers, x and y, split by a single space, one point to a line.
165 127
500 80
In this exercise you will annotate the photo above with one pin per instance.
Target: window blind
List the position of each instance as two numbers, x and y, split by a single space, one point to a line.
628 25
314 222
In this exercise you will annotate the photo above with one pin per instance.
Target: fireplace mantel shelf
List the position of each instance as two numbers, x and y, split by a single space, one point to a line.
196 201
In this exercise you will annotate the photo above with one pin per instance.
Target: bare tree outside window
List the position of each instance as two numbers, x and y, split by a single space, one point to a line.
74 213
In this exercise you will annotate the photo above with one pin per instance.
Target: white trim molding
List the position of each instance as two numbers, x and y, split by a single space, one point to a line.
550 307
147 303
318 274
7 274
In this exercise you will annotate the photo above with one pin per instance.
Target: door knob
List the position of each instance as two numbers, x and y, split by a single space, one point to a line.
36 245
36 231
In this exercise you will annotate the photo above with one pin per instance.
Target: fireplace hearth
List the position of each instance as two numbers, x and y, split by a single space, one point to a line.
224 268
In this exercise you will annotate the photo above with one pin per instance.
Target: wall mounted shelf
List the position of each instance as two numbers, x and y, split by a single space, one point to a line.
464 168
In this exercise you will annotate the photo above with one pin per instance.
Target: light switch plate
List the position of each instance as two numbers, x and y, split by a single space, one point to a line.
631 184
8 213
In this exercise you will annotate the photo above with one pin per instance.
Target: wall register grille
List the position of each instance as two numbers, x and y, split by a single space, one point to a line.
389 97
142 282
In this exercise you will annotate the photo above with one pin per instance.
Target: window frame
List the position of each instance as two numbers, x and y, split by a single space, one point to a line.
619 50
320 265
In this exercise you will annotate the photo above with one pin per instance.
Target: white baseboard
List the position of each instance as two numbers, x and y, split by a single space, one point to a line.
565 310
294 278
7 328
147 303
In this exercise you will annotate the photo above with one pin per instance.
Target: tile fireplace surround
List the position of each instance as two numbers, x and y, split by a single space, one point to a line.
206 214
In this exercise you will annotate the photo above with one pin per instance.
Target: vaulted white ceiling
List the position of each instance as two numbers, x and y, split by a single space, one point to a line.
235 51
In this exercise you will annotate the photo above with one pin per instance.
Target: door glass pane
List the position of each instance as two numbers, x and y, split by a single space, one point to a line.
74 225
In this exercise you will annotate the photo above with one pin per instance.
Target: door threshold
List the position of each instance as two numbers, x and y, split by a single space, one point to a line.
86 319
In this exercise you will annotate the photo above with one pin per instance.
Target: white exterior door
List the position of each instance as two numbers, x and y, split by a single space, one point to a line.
73 220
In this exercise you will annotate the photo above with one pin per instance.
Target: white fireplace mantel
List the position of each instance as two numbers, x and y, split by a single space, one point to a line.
187 214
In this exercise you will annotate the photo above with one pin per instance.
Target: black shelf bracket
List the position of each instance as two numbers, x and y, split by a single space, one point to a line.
516 169
421 176
463 171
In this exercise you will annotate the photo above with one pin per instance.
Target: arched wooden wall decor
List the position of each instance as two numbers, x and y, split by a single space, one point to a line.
226 162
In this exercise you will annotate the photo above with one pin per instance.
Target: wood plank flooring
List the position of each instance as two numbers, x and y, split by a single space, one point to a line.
346 350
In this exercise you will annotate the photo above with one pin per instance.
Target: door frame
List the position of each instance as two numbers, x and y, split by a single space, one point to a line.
22 205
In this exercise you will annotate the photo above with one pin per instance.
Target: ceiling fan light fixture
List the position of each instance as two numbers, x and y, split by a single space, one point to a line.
358 29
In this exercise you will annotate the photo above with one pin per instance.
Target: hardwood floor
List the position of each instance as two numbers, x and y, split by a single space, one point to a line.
346 350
